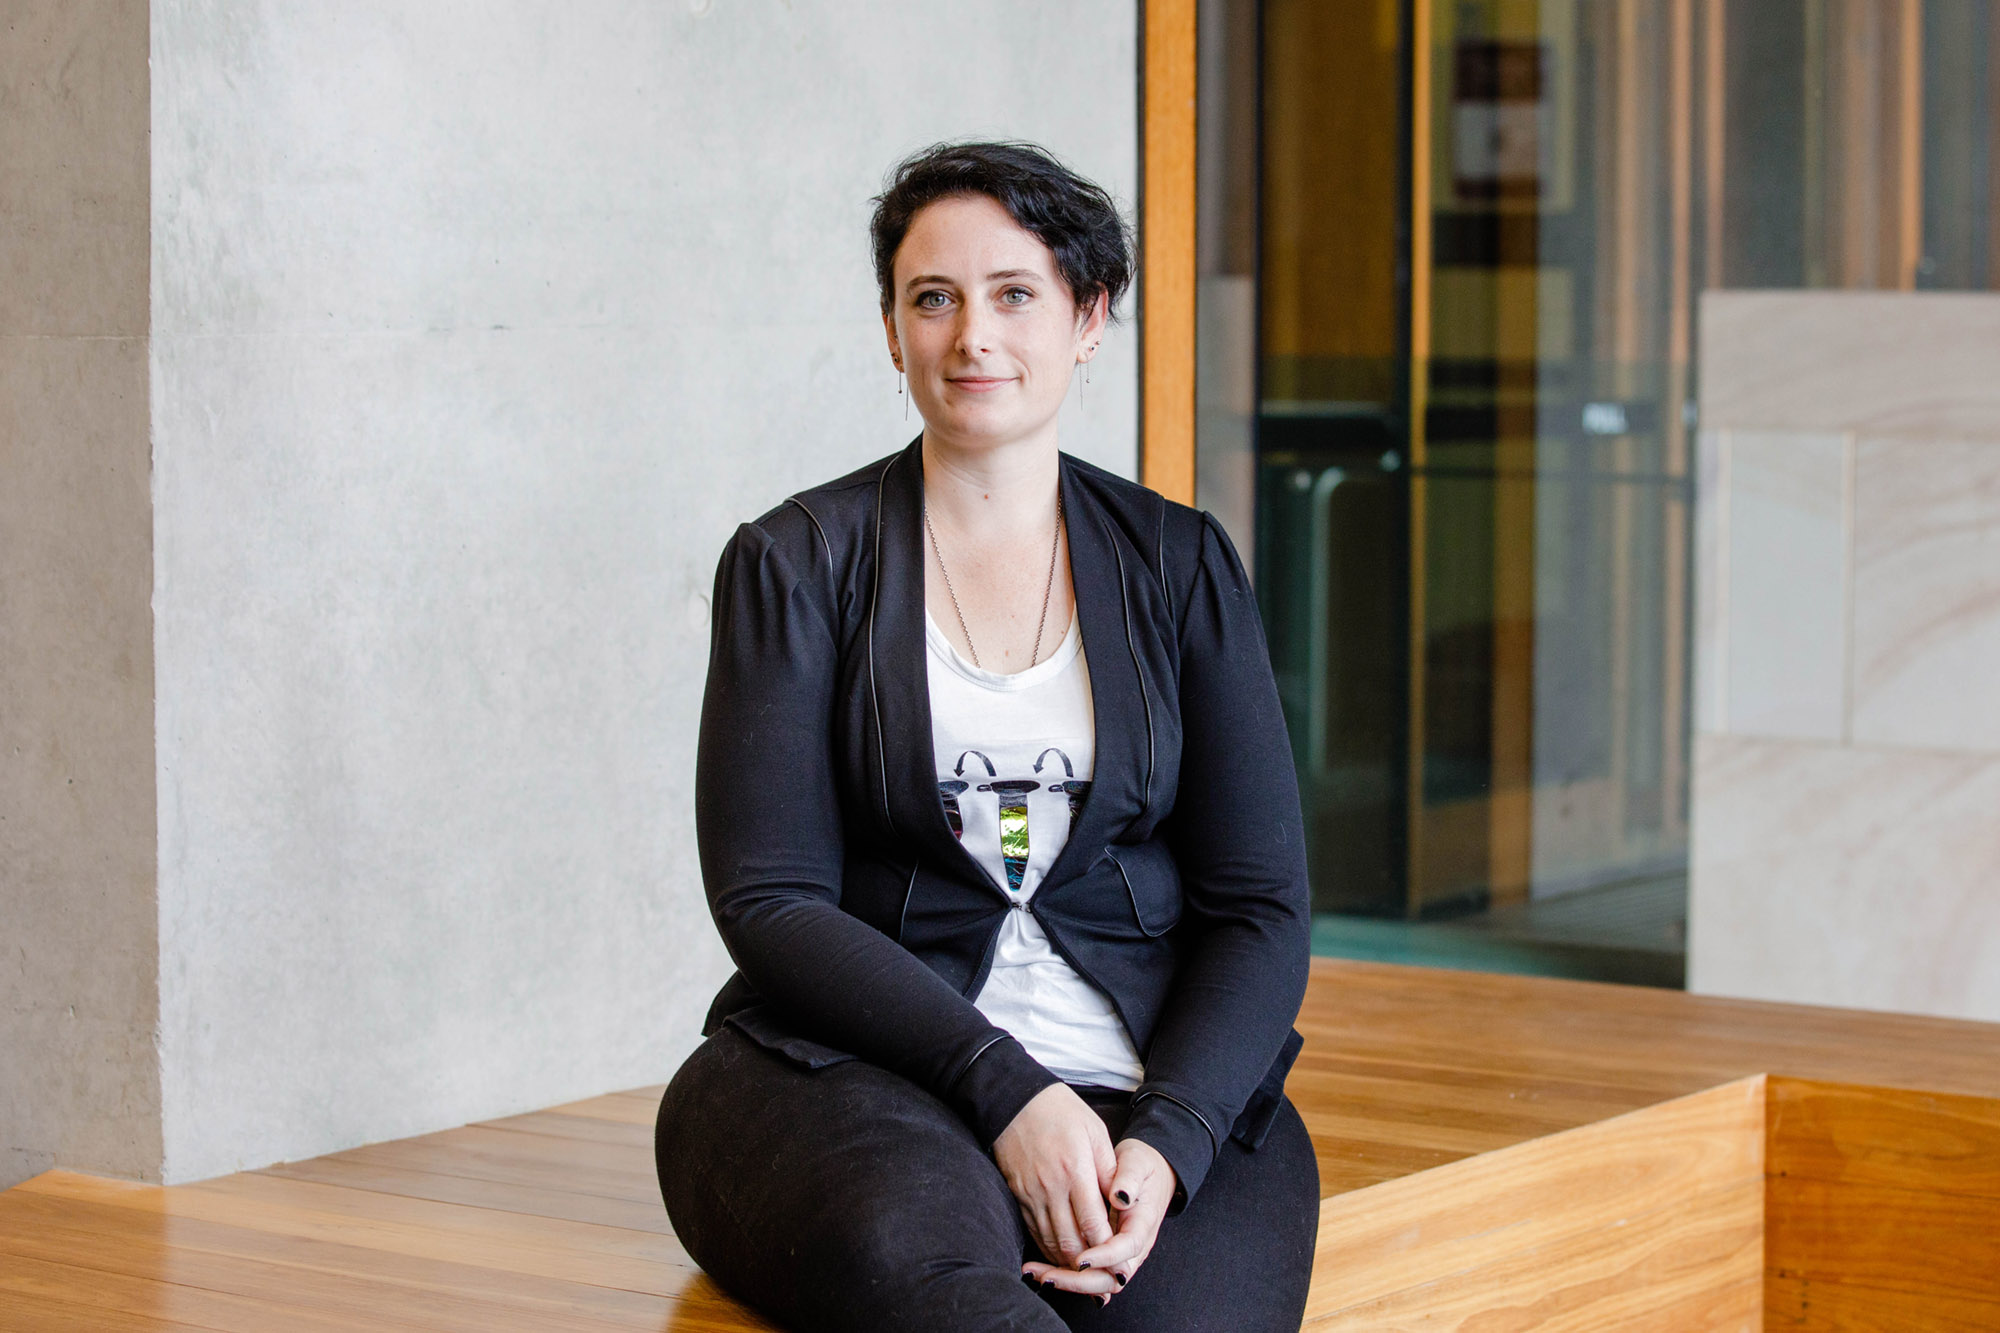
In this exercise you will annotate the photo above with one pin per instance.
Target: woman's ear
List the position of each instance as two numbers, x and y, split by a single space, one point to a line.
889 331
1090 328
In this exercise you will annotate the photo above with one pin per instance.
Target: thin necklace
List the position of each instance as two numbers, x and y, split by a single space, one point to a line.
1055 544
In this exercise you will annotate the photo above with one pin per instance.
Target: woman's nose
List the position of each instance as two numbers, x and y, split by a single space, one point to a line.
974 338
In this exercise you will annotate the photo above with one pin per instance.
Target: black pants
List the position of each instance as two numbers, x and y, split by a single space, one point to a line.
847 1197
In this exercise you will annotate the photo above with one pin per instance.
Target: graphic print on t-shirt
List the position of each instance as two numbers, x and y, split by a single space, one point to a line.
1072 786
1015 756
948 793
950 789
1013 794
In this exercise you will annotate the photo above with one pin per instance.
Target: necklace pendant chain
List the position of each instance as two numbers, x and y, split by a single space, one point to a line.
1055 545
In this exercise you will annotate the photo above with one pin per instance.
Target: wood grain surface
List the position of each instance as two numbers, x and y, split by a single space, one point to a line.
1485 1120
1406 1068
1167 251
1634 1222
1883 1209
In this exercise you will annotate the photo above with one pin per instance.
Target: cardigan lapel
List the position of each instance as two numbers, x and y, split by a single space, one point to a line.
896 666
898 676
1122 723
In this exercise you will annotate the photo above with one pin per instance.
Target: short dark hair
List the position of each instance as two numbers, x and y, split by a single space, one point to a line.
1076 218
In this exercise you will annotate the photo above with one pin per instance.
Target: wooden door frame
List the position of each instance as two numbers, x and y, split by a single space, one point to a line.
1167 247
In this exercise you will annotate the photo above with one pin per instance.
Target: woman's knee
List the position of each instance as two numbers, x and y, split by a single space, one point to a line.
676 1123
840 1197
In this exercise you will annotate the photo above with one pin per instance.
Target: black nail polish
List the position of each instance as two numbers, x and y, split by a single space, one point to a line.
1119 1278
1080 1267
1104 1298
1124 1199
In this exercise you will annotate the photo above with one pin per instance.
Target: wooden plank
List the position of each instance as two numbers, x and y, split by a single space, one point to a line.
1799 1303
1585 1188
592 1129
1167 246
449 1233
1650 1041
633 1214
622 1108
1918 1242
151 1301
1883 1207
500 1156
246 1260
1571 1052
22 1313
1669 1271
1884 1136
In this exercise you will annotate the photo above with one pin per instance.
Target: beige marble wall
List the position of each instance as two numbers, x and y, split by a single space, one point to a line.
1846 832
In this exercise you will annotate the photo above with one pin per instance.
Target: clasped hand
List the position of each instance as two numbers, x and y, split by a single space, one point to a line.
1093 1209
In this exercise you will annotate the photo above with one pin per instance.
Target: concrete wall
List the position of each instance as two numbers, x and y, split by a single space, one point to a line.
79 1078
1846 848
476 329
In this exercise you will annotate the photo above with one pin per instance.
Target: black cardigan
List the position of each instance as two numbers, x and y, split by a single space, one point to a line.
860 926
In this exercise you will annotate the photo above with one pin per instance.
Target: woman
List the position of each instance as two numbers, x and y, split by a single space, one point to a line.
997 819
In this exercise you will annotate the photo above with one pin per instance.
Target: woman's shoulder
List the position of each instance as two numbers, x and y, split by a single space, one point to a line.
1171 536
1137 506
815 528
845 498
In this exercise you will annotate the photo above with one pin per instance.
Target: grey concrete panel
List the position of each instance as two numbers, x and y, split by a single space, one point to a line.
78 971
74 189
383 165
473 344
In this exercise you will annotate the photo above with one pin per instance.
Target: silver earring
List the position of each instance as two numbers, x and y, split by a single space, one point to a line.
904 392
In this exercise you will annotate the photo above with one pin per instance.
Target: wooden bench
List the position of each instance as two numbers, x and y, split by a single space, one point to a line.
1498 1152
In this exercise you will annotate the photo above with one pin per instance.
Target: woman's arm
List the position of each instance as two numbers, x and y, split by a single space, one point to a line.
768 826
1238 838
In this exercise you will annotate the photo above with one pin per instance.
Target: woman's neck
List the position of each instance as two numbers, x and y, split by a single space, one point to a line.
994 491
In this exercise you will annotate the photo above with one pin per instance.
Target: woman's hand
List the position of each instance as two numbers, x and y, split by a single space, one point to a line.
1141 1187
1057 1158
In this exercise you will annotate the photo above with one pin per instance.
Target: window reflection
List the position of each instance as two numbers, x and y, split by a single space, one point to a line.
1451 254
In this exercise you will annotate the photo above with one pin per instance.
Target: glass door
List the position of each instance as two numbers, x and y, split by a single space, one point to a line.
1450 252
1471 438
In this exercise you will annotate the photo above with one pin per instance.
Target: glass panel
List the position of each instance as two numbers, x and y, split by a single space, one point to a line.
1332 488
1854 144
1451 258
1551 481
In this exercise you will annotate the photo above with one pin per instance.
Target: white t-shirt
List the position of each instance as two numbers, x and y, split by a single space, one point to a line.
1015 754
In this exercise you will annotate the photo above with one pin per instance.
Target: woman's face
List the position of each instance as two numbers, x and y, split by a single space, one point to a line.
986 330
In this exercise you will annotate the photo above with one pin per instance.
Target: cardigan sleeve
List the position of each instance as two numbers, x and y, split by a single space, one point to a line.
769 833
1238 838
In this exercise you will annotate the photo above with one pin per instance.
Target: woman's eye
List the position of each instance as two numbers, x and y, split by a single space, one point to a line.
1017 296
924 300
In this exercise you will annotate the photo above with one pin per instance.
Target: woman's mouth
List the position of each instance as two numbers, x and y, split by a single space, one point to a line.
978 383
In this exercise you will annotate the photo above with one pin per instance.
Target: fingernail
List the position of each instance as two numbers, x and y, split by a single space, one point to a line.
1119 1278
1029 1277
1083 1265
1104 1299
1124 1199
